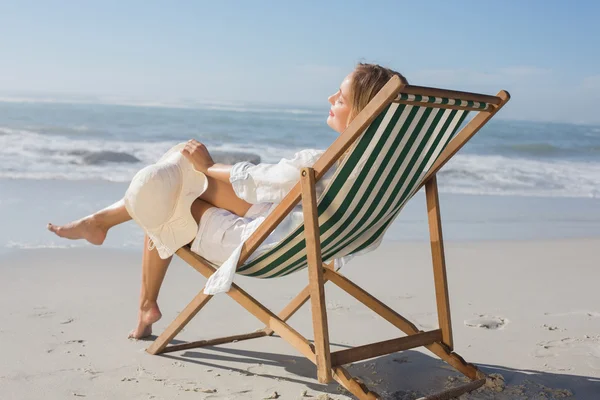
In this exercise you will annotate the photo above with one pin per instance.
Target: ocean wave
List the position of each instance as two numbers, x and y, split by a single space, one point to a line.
481 174
27 154
103 157
30 155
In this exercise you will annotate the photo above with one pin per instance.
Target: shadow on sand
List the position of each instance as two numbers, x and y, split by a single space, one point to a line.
402 376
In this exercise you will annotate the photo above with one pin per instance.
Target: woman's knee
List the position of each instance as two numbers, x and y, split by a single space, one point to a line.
199 207
221 194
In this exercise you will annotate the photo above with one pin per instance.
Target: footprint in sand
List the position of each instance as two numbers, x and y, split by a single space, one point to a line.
487 322
567 350
336 307
43 314
78 341
550 327
89 371
68 342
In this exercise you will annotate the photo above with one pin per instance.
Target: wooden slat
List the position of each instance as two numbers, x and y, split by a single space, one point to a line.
330 157
434 105
179 323
315 274
451 94
214 342
465 134
367 351
440 278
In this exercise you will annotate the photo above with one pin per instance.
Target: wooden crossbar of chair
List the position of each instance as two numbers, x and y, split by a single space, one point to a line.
330 364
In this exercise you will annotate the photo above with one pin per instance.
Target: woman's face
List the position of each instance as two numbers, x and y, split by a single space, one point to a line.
340 106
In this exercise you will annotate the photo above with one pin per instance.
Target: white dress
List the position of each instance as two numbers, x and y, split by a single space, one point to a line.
221 233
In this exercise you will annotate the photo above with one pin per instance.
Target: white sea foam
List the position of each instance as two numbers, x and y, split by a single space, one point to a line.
486 174
29 155
25 154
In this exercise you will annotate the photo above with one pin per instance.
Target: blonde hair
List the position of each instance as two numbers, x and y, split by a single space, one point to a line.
366 81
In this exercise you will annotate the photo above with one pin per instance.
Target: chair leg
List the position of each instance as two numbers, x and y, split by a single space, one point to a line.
286 332
179 323
467 369
276 324
353 385
439 261
214 342
315 275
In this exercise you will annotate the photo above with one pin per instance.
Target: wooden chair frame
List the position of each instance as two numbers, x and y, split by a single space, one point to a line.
330 364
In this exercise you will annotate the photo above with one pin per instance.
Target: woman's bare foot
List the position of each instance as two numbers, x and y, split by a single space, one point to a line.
147 316
86 228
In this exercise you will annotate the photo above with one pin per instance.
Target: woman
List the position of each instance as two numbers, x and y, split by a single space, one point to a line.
237 197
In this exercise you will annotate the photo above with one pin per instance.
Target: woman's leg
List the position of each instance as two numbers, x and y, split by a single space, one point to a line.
221 194
93 228
154 269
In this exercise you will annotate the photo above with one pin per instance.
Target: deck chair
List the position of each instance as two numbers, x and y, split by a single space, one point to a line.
397 144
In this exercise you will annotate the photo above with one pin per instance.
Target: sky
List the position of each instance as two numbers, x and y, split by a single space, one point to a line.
545 53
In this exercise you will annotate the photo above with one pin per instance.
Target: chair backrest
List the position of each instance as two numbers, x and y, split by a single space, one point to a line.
388 163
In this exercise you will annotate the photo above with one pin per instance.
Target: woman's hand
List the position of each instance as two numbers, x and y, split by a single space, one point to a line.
198 155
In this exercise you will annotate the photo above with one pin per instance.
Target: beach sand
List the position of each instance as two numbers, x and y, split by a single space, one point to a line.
525 311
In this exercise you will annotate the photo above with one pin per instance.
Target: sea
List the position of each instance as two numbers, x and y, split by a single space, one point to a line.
61 160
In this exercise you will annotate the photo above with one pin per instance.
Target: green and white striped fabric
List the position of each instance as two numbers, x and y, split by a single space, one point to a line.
442 100
391 158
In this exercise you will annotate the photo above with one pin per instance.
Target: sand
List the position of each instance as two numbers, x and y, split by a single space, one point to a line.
526 312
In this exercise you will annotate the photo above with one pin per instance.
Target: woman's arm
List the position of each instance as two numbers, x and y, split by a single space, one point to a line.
253 183
270 183
197 153
220 172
